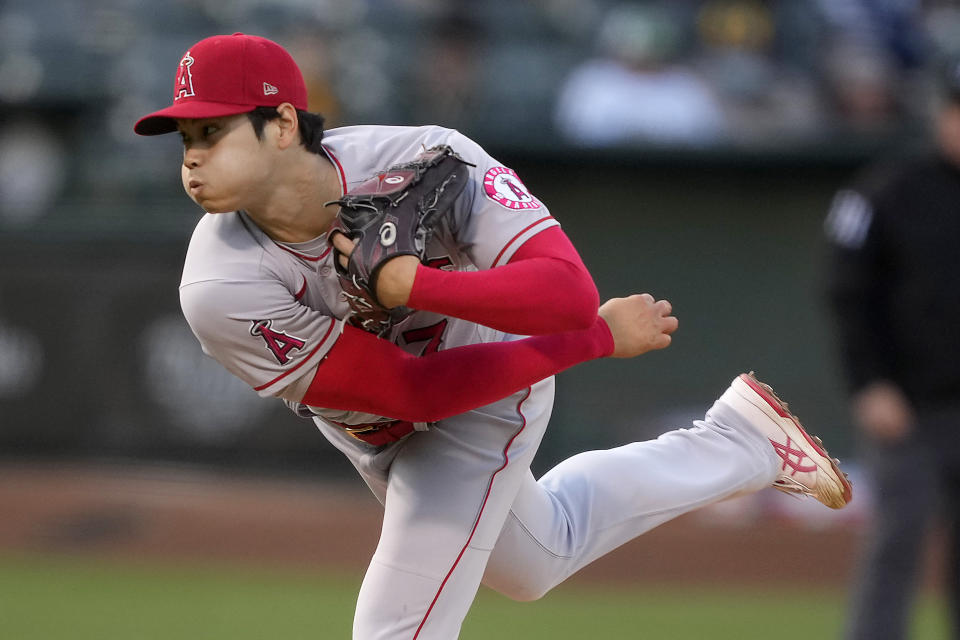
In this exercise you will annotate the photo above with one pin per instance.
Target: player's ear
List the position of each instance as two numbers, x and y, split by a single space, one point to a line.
288 126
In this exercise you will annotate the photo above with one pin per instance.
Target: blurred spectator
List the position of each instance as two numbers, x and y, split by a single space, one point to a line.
446 89
888 25
314 54
941 24
874 54
895 295
764 99
863 86
636 91
32 170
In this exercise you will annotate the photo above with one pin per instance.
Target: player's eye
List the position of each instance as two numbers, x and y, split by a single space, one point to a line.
209 129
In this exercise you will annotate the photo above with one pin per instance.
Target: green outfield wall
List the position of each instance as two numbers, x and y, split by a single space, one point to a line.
95 360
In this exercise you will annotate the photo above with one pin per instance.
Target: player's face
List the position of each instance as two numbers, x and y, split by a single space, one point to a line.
225 165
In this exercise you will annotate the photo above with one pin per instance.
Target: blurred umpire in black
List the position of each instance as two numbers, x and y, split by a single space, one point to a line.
894 290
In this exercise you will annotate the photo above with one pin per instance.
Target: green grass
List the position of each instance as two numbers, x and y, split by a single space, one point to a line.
678 613
44 598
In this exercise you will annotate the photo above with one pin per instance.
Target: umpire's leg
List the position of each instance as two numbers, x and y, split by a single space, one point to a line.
948 447
952 500
904 478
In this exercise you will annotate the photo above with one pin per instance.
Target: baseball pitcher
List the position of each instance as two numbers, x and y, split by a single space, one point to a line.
410 295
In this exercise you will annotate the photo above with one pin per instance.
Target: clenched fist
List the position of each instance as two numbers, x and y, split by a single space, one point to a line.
639 324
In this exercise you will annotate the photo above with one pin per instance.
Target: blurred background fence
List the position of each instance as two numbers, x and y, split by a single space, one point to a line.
690 148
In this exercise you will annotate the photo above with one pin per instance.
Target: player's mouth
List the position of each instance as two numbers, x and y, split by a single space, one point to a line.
194 185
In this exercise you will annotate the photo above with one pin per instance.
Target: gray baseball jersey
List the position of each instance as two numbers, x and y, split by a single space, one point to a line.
269 312
460 503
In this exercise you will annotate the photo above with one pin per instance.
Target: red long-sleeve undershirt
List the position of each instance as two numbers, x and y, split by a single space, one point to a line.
544 291
545 288
369 374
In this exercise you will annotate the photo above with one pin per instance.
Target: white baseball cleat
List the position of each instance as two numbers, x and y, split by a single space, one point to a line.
807 468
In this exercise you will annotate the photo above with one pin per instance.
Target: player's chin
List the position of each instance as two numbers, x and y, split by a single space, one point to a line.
214 206
218 209
207 201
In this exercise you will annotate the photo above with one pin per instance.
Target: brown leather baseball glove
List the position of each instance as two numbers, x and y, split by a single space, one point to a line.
394 213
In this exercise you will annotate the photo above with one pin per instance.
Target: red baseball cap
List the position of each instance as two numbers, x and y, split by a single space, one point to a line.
227 75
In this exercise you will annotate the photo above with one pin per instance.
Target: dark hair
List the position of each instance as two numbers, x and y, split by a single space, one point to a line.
311 126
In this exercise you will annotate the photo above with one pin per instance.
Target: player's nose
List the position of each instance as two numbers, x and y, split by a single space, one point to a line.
191 158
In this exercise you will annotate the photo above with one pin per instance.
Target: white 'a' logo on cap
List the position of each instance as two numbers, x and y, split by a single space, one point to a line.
184 85
269 89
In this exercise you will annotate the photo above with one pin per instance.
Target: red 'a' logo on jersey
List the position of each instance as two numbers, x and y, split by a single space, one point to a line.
184 84
279 343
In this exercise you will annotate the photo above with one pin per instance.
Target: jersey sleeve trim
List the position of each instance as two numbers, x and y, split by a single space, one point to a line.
265 388
303 289
525 234
304 256
336 163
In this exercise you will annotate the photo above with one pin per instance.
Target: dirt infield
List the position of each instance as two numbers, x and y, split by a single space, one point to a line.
193 515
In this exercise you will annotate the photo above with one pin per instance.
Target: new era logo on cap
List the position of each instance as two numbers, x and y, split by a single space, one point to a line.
226 75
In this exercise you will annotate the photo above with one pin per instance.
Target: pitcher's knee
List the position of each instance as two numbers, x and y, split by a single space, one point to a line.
519 590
